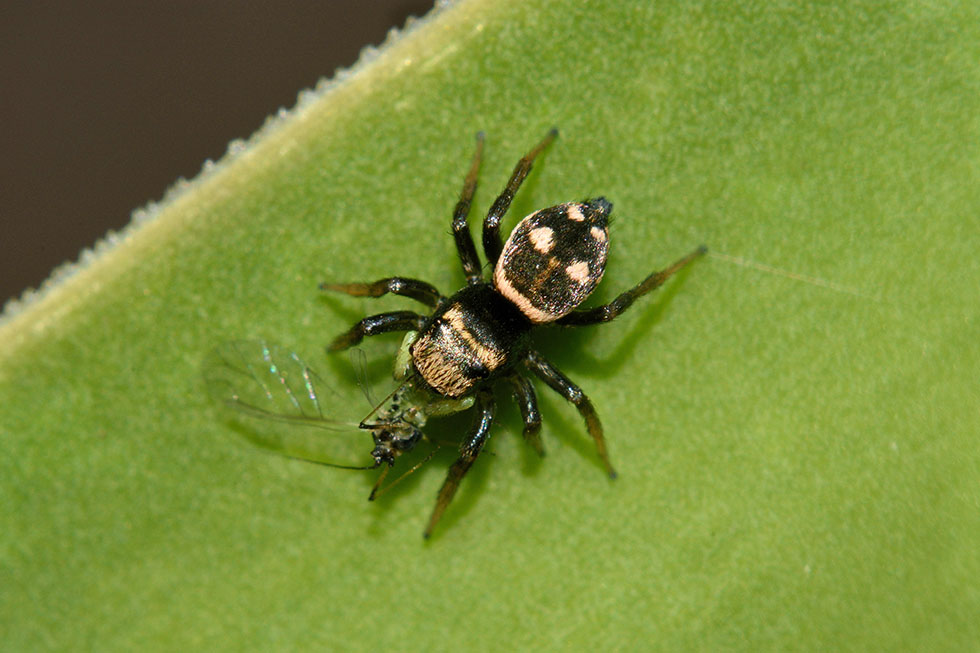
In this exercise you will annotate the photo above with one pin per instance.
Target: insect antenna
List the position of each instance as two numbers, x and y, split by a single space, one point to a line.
336 465
377 490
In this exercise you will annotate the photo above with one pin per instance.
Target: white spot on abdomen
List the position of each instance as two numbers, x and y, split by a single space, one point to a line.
575 213
542 238
599 234
578 271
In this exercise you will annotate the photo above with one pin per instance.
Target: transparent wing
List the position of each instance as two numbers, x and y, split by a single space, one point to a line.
359 362
281 400
259 379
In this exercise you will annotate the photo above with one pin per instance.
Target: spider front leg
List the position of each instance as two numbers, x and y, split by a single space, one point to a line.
469 450
415 289
563 386
461 229
528 402
610 311
377 324
492 244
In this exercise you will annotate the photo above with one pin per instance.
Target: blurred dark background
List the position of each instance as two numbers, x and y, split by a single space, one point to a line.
104 104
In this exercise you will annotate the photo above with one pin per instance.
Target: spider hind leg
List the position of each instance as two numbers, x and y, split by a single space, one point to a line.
564 386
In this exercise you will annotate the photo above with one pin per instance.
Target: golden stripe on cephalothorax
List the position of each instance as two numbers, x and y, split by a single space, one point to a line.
489 356
440 353
435 356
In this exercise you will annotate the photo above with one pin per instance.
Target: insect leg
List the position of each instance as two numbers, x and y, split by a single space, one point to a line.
469 450
461 229
376 324
420 291
610 311
563 386
528 402
492 245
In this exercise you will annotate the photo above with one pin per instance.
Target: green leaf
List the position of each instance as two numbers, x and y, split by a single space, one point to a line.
794 418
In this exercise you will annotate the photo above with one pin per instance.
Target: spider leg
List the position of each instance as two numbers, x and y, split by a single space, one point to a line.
610 311
468 452
420 291
528 402
461 229
376 324
492 245
563 386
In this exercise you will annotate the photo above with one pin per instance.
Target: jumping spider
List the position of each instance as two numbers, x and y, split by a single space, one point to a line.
450 358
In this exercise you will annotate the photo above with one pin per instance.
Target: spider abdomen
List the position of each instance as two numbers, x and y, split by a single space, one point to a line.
475 336
554 259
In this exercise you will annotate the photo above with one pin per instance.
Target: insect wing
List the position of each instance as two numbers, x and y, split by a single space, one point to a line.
278 397
359 362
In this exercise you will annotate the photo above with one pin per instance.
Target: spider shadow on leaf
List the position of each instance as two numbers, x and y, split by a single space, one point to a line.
443 434
585 364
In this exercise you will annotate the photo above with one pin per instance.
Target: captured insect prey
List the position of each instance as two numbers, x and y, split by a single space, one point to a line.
453 355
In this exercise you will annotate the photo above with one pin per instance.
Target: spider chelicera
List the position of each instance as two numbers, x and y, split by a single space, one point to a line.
451 358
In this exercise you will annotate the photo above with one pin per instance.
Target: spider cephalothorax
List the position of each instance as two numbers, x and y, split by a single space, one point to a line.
451 358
